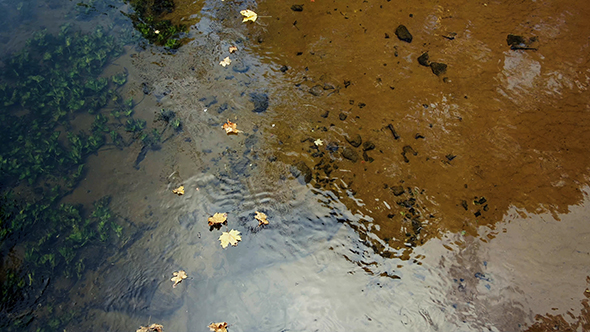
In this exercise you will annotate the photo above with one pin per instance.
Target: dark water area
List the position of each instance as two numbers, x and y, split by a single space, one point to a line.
423 166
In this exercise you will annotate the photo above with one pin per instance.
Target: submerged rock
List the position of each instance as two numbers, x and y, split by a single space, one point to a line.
354 140
423 59
301 170
403 34
397 190
317 90
367 146
260 101
297 8
438 68
350 154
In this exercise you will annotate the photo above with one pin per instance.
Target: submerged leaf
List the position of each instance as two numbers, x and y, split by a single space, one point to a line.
217 219
232 237
261 217
218 327
151 328
225 62
178 277
231 128
179 191
249 15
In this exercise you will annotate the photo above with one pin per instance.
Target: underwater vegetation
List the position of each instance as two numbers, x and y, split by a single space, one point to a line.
44 86
148 19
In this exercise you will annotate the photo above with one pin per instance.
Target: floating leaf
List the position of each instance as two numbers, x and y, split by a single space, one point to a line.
218 327
225 62
179 191
261 217
151 328
233 49
318 142
231 128
217 219
232 237
178 277
249 15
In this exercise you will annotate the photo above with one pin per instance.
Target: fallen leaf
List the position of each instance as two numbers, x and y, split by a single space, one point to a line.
179 191
233 49
249 15
218 327
217 219
225 62
151 328
232 237
231 128
318 142
178 277
261 217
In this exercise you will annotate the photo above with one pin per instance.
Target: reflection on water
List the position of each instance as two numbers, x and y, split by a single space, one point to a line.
399 197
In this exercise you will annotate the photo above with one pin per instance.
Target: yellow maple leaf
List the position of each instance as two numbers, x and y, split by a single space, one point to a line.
151 328
178 277
225 62
261 217
179 191
218 327
231 128
217 219
249 15
232 237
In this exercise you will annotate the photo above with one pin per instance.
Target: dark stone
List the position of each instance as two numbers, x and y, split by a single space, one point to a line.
515 40
146 88
477 214
423 59
464 205
317 90
403 34
260 101
367 146
301 170
222 108
520 43
325 114
408 150
350 154
284 69
450 36
397 190
408 203
395 135
480 201
297 8
367 158
355 140
332 147
342 116
438 68
208 101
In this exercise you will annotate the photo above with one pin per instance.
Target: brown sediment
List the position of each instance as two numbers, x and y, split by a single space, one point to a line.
500 128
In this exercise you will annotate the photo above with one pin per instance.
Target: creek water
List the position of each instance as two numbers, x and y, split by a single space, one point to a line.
397 198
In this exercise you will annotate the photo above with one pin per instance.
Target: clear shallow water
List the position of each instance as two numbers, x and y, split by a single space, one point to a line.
331 257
